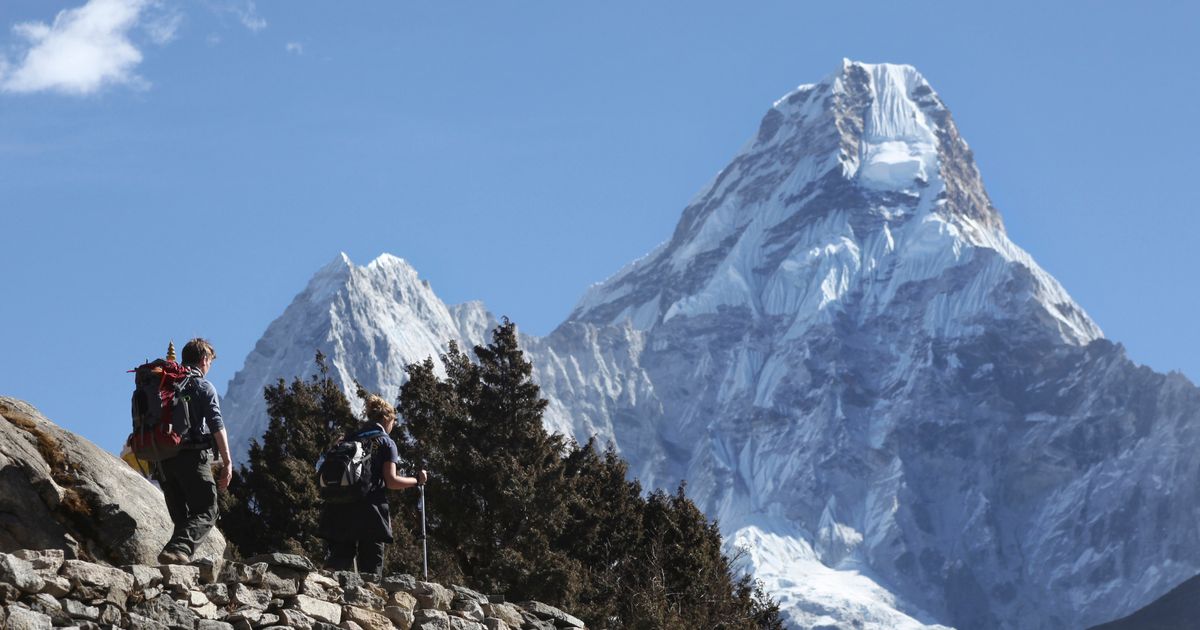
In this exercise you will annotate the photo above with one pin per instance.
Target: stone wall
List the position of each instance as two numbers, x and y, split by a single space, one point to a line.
42 589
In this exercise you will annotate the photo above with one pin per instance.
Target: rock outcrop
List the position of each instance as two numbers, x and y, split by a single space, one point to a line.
59 491
42 589
1177 610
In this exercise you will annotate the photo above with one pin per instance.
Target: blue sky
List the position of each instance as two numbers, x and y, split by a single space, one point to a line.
172 169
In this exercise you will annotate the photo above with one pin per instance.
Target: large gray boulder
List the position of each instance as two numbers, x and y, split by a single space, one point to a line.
61 491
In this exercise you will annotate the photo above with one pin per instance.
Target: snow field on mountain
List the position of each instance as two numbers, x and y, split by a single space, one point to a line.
818 595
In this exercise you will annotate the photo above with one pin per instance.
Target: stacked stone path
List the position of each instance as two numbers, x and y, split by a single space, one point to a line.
42 589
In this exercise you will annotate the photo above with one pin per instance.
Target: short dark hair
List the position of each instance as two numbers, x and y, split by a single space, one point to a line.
196 350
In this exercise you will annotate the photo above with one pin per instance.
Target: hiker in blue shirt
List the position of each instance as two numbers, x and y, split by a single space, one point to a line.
361 529
187 478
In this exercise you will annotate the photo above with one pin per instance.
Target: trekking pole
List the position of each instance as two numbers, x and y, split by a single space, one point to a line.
424 540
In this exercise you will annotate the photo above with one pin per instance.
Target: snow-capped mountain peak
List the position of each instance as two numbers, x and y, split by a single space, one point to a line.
862 179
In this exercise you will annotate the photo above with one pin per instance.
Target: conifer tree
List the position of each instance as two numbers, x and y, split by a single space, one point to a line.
273 503
497 470
435 417
604 531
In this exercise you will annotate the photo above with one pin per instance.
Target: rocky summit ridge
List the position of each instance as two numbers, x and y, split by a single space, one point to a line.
900 416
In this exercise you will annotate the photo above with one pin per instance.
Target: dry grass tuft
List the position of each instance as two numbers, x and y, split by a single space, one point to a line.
74 503
47 445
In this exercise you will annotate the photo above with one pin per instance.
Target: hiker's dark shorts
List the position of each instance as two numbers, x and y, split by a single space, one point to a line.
364 521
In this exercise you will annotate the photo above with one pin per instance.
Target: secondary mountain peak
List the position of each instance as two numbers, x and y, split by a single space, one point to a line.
369 321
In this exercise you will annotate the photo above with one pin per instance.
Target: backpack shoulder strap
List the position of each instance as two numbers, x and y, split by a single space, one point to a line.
371 440
181 390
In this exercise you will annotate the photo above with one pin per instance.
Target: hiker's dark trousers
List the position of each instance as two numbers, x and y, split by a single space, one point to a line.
342 554
191 494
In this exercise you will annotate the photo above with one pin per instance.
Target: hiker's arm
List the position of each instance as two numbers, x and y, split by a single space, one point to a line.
222 443
396 482
216 426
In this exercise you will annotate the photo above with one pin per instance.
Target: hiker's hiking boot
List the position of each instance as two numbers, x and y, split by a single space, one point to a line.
173 557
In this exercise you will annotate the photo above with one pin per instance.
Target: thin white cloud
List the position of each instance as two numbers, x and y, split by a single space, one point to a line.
248 14
295 48
82 51
162 27
244 11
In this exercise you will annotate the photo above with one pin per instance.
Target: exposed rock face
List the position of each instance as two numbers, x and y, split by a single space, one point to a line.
60 491
193 599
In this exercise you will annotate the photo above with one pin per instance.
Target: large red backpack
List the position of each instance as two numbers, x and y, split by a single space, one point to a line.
159 405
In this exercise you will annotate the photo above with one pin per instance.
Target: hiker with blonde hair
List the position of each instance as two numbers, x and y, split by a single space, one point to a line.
359 527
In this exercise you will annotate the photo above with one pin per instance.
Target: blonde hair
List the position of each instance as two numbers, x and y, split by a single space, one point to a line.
379 410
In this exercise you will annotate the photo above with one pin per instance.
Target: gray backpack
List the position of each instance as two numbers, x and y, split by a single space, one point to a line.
344 473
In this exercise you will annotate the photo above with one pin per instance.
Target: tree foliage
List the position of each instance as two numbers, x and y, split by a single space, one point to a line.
529 515
512 510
